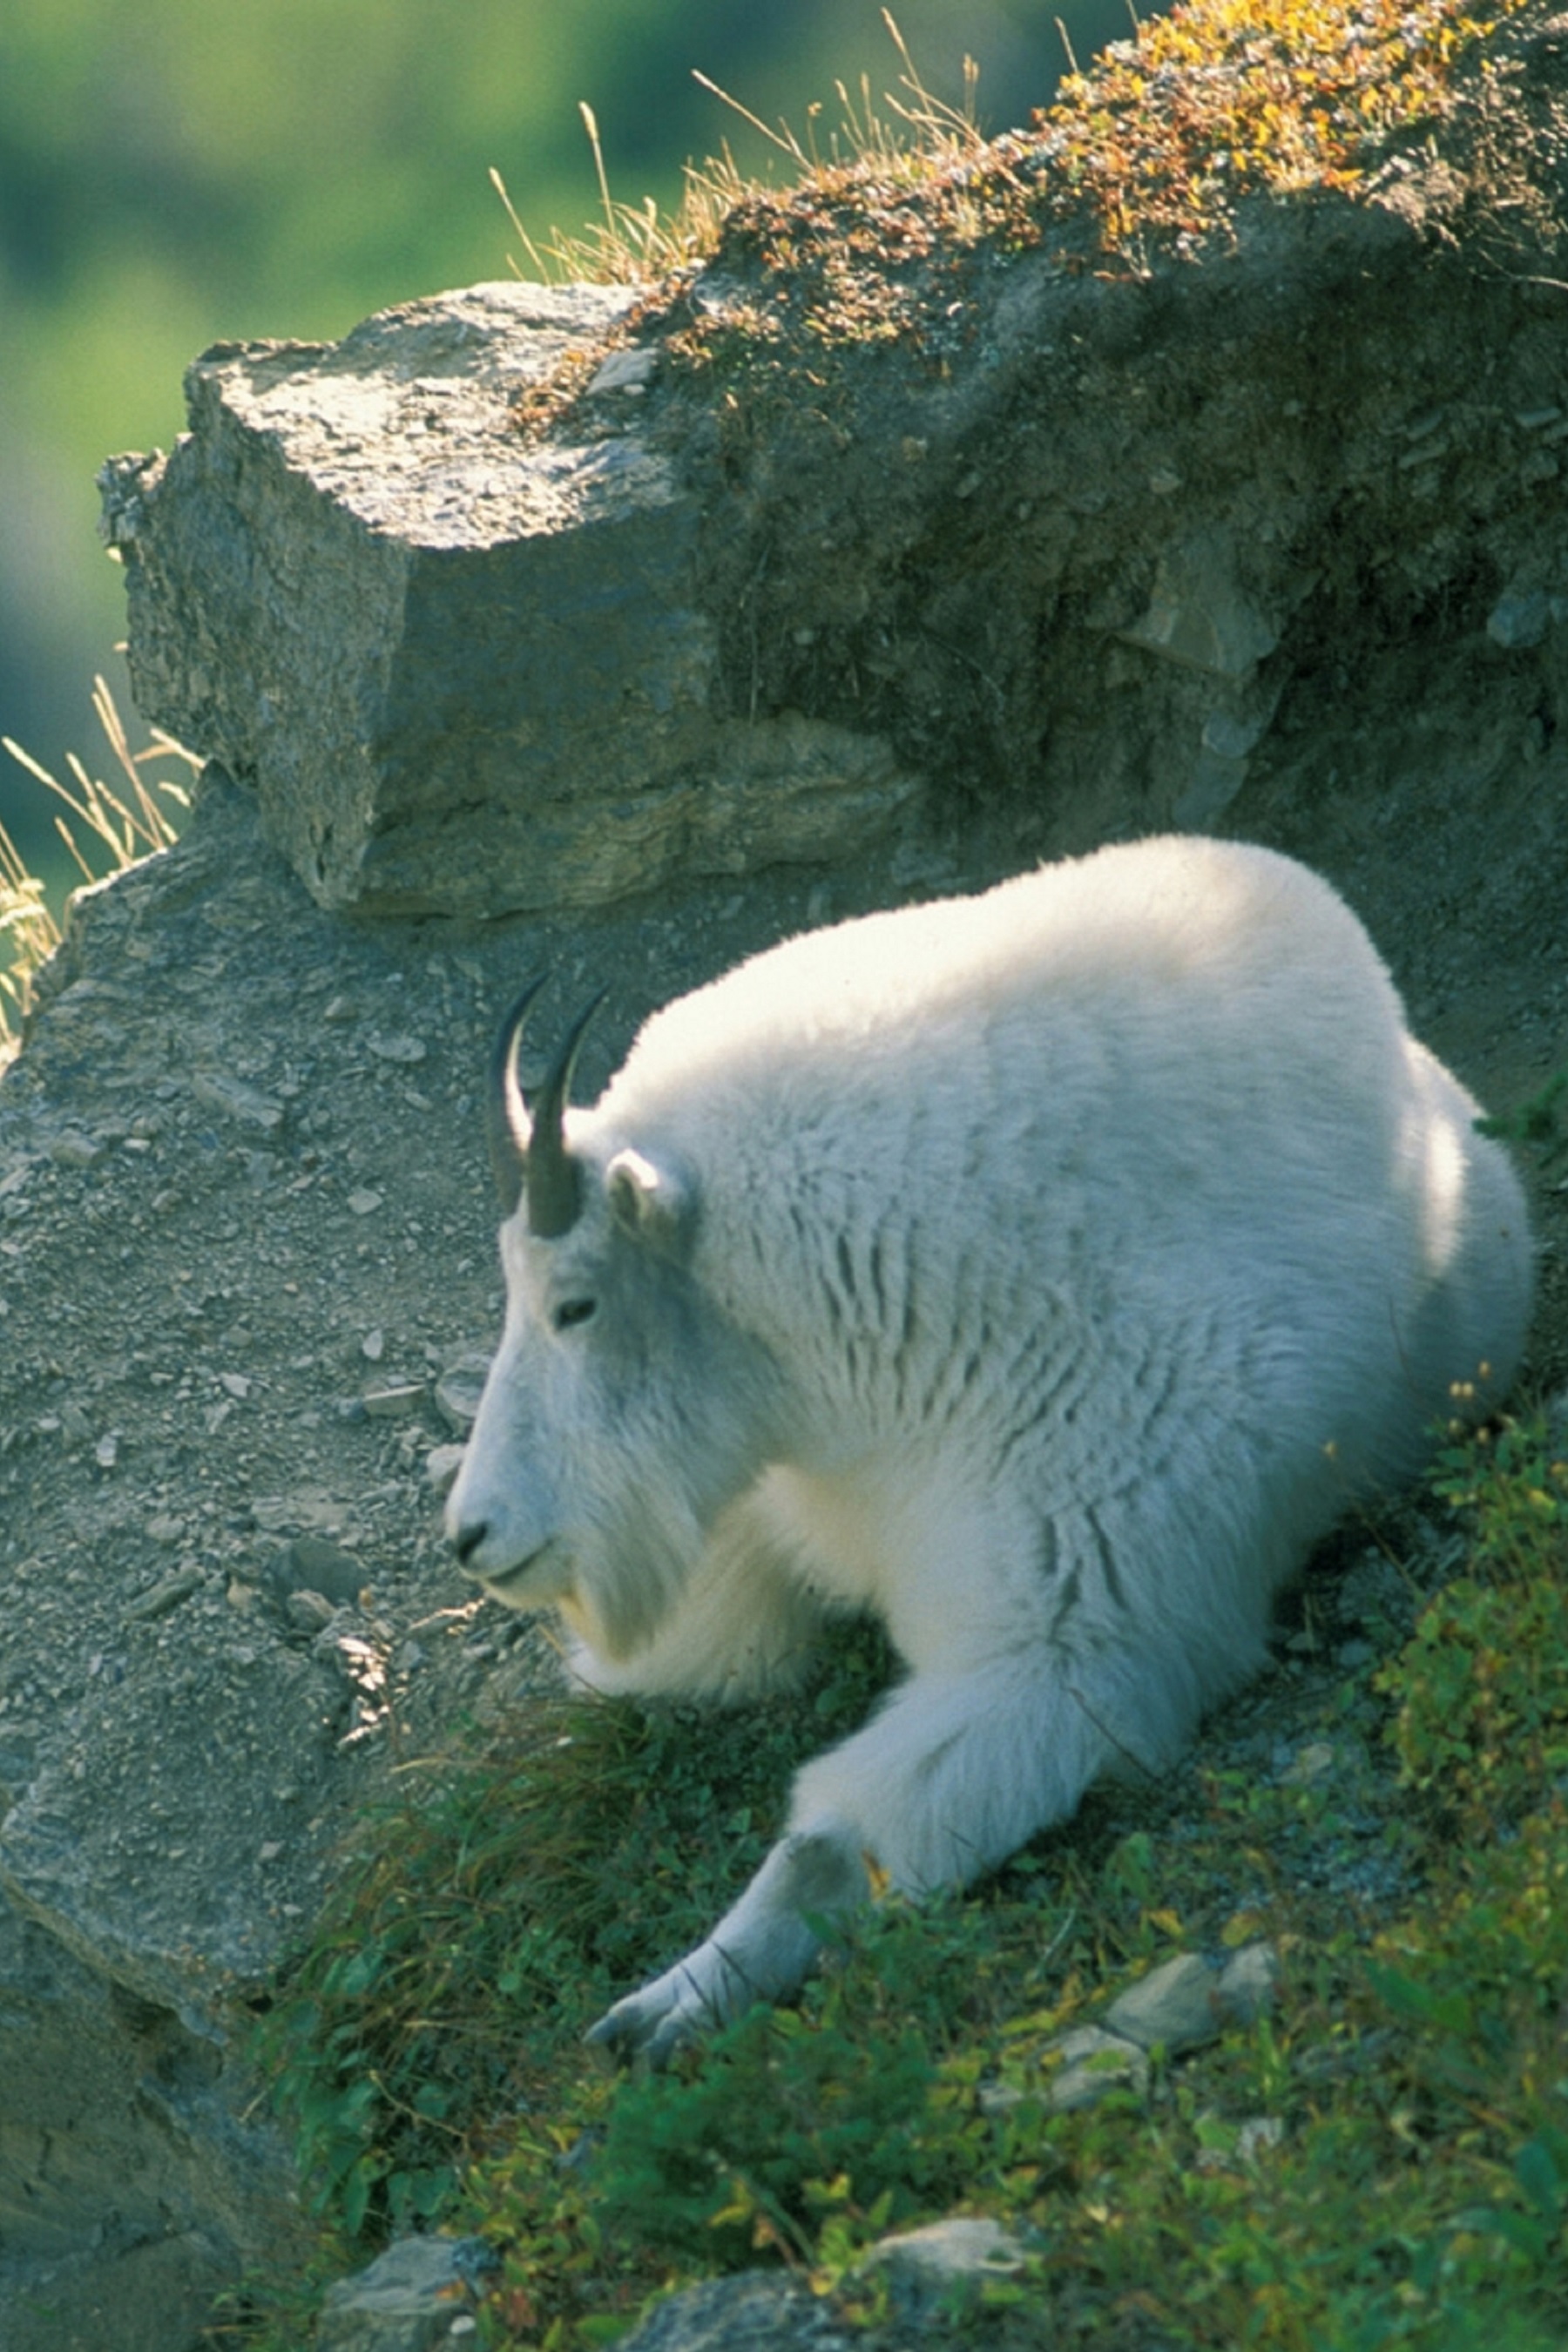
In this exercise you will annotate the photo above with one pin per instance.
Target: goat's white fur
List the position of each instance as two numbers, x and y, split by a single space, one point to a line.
1044 1271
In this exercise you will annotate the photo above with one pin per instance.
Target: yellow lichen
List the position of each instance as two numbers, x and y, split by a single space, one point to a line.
1223 98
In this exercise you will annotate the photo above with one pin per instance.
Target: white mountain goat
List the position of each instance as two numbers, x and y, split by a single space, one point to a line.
1045 1271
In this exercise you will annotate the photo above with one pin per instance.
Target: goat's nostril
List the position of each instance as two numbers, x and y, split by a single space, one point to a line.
467 1540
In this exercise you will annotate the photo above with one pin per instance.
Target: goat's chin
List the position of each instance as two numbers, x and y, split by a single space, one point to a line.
542 1580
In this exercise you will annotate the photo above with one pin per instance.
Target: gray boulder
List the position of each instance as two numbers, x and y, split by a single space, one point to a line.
464 672
417 2296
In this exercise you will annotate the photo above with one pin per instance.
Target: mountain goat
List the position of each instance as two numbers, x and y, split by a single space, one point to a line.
1044 1271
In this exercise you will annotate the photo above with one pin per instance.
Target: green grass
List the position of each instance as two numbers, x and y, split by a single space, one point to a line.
1410 2187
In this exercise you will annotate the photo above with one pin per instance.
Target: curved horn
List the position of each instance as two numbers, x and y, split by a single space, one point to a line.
506 1119
550 1173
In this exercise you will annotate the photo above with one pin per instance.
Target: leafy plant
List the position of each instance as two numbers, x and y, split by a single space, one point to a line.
842 2107
1482 1723
1536 1124
485 1916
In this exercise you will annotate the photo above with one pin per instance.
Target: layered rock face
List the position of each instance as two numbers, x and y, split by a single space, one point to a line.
465 676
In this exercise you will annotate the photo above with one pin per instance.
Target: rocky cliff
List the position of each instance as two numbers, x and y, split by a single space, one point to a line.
527 629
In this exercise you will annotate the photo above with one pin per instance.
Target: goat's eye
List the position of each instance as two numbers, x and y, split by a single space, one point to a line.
575 1310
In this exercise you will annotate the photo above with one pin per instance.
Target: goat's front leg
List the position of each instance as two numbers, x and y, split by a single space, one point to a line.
951 1778
760 1950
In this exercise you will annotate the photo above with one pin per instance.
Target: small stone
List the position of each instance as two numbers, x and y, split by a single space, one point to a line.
411 2296
235 1384
164 1528
999 2098
1518 622
219 1092
1247 1983
364 1203
442 1465
460 1387
1172 2007
624 371
106 1452
404 1049
1310 1763
310 1612
373 1346
310 1564
1214 783
1233 735
393 1404
947 2262
1224 2145
74 1150
1094 2062
164 1597
1200 616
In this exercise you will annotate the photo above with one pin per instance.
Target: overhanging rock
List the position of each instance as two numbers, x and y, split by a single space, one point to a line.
463 673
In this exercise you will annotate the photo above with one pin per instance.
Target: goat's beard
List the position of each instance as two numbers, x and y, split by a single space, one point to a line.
629 1572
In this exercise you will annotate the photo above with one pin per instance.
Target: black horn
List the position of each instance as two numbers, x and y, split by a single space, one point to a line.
528 1147
506 1117
551 1178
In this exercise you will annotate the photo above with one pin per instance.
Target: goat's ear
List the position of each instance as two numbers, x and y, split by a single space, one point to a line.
656 1204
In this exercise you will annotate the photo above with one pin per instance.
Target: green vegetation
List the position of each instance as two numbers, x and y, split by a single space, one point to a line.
1382 2159
1540 1124
1221 100
875 237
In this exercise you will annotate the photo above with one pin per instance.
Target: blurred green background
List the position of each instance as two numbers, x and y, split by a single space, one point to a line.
176 172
